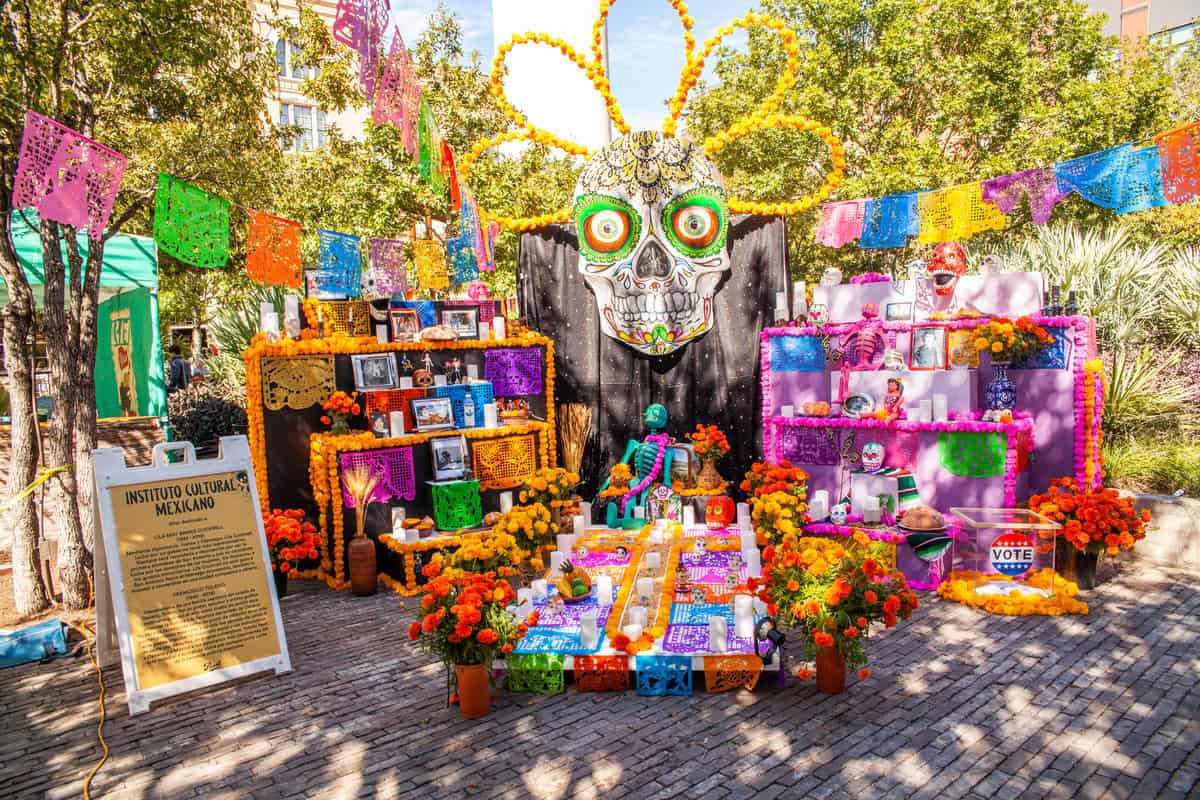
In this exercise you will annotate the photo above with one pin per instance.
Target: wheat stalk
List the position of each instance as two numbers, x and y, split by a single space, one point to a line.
360 483
574 425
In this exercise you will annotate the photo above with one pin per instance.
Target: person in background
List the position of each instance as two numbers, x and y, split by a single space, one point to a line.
199 371
181 371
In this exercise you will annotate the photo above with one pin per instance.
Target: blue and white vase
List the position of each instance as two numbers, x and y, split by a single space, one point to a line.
1001 392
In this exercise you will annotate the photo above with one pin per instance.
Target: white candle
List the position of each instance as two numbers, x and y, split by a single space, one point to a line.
506 502
645 587
718 632
653 560
291 315
799 297
381 334
637 616
787 411
539 588
485 331
633 632
412 535
473 371
781 301
743 616
439 380
524 595
939 407
270 323
604 589
585 511
871 511
781 313
689 516
556 559
406 382
743 511
589 634
926 410
580 526
639 512
566 542
498 327
747 539
396 423
491 416
818 509
398 518
822 495
753 563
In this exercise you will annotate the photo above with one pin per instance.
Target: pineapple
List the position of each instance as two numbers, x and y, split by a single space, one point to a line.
575 584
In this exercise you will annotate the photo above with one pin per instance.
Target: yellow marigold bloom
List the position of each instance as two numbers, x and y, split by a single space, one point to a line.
862 538
997 347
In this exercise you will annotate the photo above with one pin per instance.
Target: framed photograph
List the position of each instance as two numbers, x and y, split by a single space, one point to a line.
857 405
312 290
961 352
432 413
406 325
897 312
683 466
928 348
380 426
374 371
463 320
449 457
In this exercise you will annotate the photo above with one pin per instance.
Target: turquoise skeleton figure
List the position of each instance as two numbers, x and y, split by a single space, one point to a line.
651 460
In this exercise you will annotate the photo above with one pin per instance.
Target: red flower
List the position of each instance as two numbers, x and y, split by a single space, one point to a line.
487 636
864 673
414 631
822 639
851 632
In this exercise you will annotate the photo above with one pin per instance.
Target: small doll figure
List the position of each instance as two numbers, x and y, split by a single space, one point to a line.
406 366
453 369
894 396
428 363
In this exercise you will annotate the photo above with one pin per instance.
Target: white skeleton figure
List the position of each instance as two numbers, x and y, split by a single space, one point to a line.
652 219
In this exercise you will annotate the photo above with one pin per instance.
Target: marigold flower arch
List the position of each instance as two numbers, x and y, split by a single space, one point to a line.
762 118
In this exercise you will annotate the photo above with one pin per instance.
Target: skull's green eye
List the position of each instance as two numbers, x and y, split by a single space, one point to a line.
608 228
696 221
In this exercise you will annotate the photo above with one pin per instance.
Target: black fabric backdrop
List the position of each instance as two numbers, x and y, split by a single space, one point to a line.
714 380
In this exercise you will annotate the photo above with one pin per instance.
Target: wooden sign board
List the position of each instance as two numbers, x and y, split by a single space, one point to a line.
189 571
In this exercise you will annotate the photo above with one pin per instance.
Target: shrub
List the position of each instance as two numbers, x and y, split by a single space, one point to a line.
200 415
1152 465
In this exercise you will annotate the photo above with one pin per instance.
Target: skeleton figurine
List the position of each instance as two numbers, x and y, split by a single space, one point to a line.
651 461
652 219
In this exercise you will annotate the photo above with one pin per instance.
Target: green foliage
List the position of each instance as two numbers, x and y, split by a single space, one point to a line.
927 93
1181 295
230 334
1152 465
1147 396
200 416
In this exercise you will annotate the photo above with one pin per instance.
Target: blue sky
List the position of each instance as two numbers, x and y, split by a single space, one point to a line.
644 43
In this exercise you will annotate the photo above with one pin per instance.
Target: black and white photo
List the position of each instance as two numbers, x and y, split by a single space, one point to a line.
374 371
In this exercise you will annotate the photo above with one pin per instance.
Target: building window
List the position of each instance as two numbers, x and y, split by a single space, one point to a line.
310 121
287 61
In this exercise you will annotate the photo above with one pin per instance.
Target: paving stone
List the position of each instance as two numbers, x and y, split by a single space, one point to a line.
961 705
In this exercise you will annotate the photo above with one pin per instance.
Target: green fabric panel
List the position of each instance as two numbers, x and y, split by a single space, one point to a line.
129 261
973 455
129 372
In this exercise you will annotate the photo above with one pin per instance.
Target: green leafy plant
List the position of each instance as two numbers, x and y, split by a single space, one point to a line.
232 331
1153 465
1147 396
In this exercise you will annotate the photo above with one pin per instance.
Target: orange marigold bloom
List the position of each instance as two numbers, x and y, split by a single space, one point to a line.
871 597
804 674
851 632
812 607
822 639
487 636
861 622
414 631
864 673
793 585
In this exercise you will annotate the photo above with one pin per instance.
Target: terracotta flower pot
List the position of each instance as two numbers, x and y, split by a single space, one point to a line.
709 478
474 696
831 670
364 578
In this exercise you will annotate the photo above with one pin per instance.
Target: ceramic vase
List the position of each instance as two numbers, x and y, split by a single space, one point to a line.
709 478
1080 567
831 670
340 426
1001 392
474 696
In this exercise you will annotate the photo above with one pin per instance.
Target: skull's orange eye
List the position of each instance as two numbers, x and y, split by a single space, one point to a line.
606 231
696 226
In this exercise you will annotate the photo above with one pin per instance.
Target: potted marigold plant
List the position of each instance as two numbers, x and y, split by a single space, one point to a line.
710 446
463 622
493 551
291 539
338 409
1008 341
1094 521
833 593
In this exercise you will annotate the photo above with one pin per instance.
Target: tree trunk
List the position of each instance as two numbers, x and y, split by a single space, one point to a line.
87 312
63 355
29 589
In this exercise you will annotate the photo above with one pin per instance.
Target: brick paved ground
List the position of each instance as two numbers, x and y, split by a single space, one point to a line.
961 704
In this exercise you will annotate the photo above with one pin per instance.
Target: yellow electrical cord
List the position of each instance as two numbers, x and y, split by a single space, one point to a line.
87 782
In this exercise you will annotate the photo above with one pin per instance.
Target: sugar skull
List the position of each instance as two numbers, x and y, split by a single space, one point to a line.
719 513
652 219
837 514
947 264
872 456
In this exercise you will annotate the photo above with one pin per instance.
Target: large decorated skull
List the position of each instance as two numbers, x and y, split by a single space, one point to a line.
947 264
652 220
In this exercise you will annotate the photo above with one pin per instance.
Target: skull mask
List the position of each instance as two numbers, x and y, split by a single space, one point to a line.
652 220
947 264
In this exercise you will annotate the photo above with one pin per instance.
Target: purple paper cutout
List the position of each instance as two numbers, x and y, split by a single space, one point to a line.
390 101
719 558
805 445
572 614
601 558
1039 185
513 372
387 266
397 479
694 639
66 176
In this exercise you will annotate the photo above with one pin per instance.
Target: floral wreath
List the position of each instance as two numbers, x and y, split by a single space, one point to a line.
762 118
